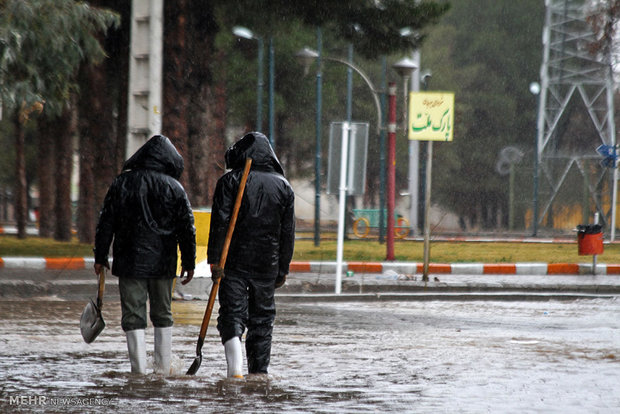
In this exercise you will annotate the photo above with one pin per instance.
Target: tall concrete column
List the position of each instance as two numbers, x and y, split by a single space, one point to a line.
145 73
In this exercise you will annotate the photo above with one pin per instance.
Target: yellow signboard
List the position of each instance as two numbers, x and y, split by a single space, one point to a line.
431 116
202 222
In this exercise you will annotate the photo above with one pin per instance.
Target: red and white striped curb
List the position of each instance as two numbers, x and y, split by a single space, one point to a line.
79 263
460 268
38 263
31 231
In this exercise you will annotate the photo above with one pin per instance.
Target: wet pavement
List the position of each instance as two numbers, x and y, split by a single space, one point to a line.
354 356
389 343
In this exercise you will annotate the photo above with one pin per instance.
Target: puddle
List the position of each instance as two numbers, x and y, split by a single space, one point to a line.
423 357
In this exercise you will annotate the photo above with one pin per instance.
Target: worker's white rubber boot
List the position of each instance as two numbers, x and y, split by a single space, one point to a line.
163 350
137 350
234 359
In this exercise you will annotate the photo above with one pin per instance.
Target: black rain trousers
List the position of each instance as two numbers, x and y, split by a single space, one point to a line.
240 296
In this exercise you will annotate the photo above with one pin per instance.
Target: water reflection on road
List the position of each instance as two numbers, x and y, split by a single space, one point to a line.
465 357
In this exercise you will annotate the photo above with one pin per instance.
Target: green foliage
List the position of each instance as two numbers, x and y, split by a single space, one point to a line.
42 43
292 25
452 252
487 52
374 28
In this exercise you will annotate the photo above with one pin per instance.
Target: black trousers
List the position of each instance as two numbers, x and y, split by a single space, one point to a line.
247 302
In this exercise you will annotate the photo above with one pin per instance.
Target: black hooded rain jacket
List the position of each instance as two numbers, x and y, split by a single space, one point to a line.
147 212
264 237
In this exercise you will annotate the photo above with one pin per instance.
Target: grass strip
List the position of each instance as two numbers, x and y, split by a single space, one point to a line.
362 250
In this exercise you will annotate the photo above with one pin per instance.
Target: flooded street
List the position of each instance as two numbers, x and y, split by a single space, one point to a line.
409 356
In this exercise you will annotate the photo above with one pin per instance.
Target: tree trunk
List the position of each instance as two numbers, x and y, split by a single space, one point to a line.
64 132
86 201
208 140
118 69
117 78
214 166
188 103
198 152
176 93
97 145
103 120
45 171
21 190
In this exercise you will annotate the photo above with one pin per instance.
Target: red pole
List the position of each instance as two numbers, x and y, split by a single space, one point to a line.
391 169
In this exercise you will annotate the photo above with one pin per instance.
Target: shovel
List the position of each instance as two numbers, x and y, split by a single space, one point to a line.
91 322
216 285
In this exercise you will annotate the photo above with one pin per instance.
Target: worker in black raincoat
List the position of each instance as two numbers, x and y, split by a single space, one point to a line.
260 251
147 213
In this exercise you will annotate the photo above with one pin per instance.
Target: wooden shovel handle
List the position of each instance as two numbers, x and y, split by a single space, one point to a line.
101 288
224 254
235 213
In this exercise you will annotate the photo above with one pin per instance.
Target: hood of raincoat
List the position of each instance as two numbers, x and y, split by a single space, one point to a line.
262 244
254 145
147 214
157 154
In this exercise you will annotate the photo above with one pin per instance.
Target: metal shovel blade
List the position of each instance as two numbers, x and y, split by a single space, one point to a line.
91 322
195 365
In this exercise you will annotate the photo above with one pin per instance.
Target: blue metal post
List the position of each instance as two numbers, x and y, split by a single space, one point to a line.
271 94
382 152
260 85
350 86
347 220
317 160
536 167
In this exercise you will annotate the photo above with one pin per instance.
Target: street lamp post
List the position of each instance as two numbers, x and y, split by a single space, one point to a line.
317 160
382 160
535 90
308 56
415 175
271 94
407 68
246 33
391 170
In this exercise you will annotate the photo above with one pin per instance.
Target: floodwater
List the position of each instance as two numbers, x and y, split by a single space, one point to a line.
422 357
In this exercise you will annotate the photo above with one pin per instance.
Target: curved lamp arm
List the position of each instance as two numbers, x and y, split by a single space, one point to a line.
375 93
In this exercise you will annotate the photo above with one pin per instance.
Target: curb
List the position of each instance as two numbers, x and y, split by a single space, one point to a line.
439 296
31 231
459 268
80 263
42 263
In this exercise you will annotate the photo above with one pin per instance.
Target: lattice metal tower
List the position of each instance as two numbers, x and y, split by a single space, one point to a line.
575 116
